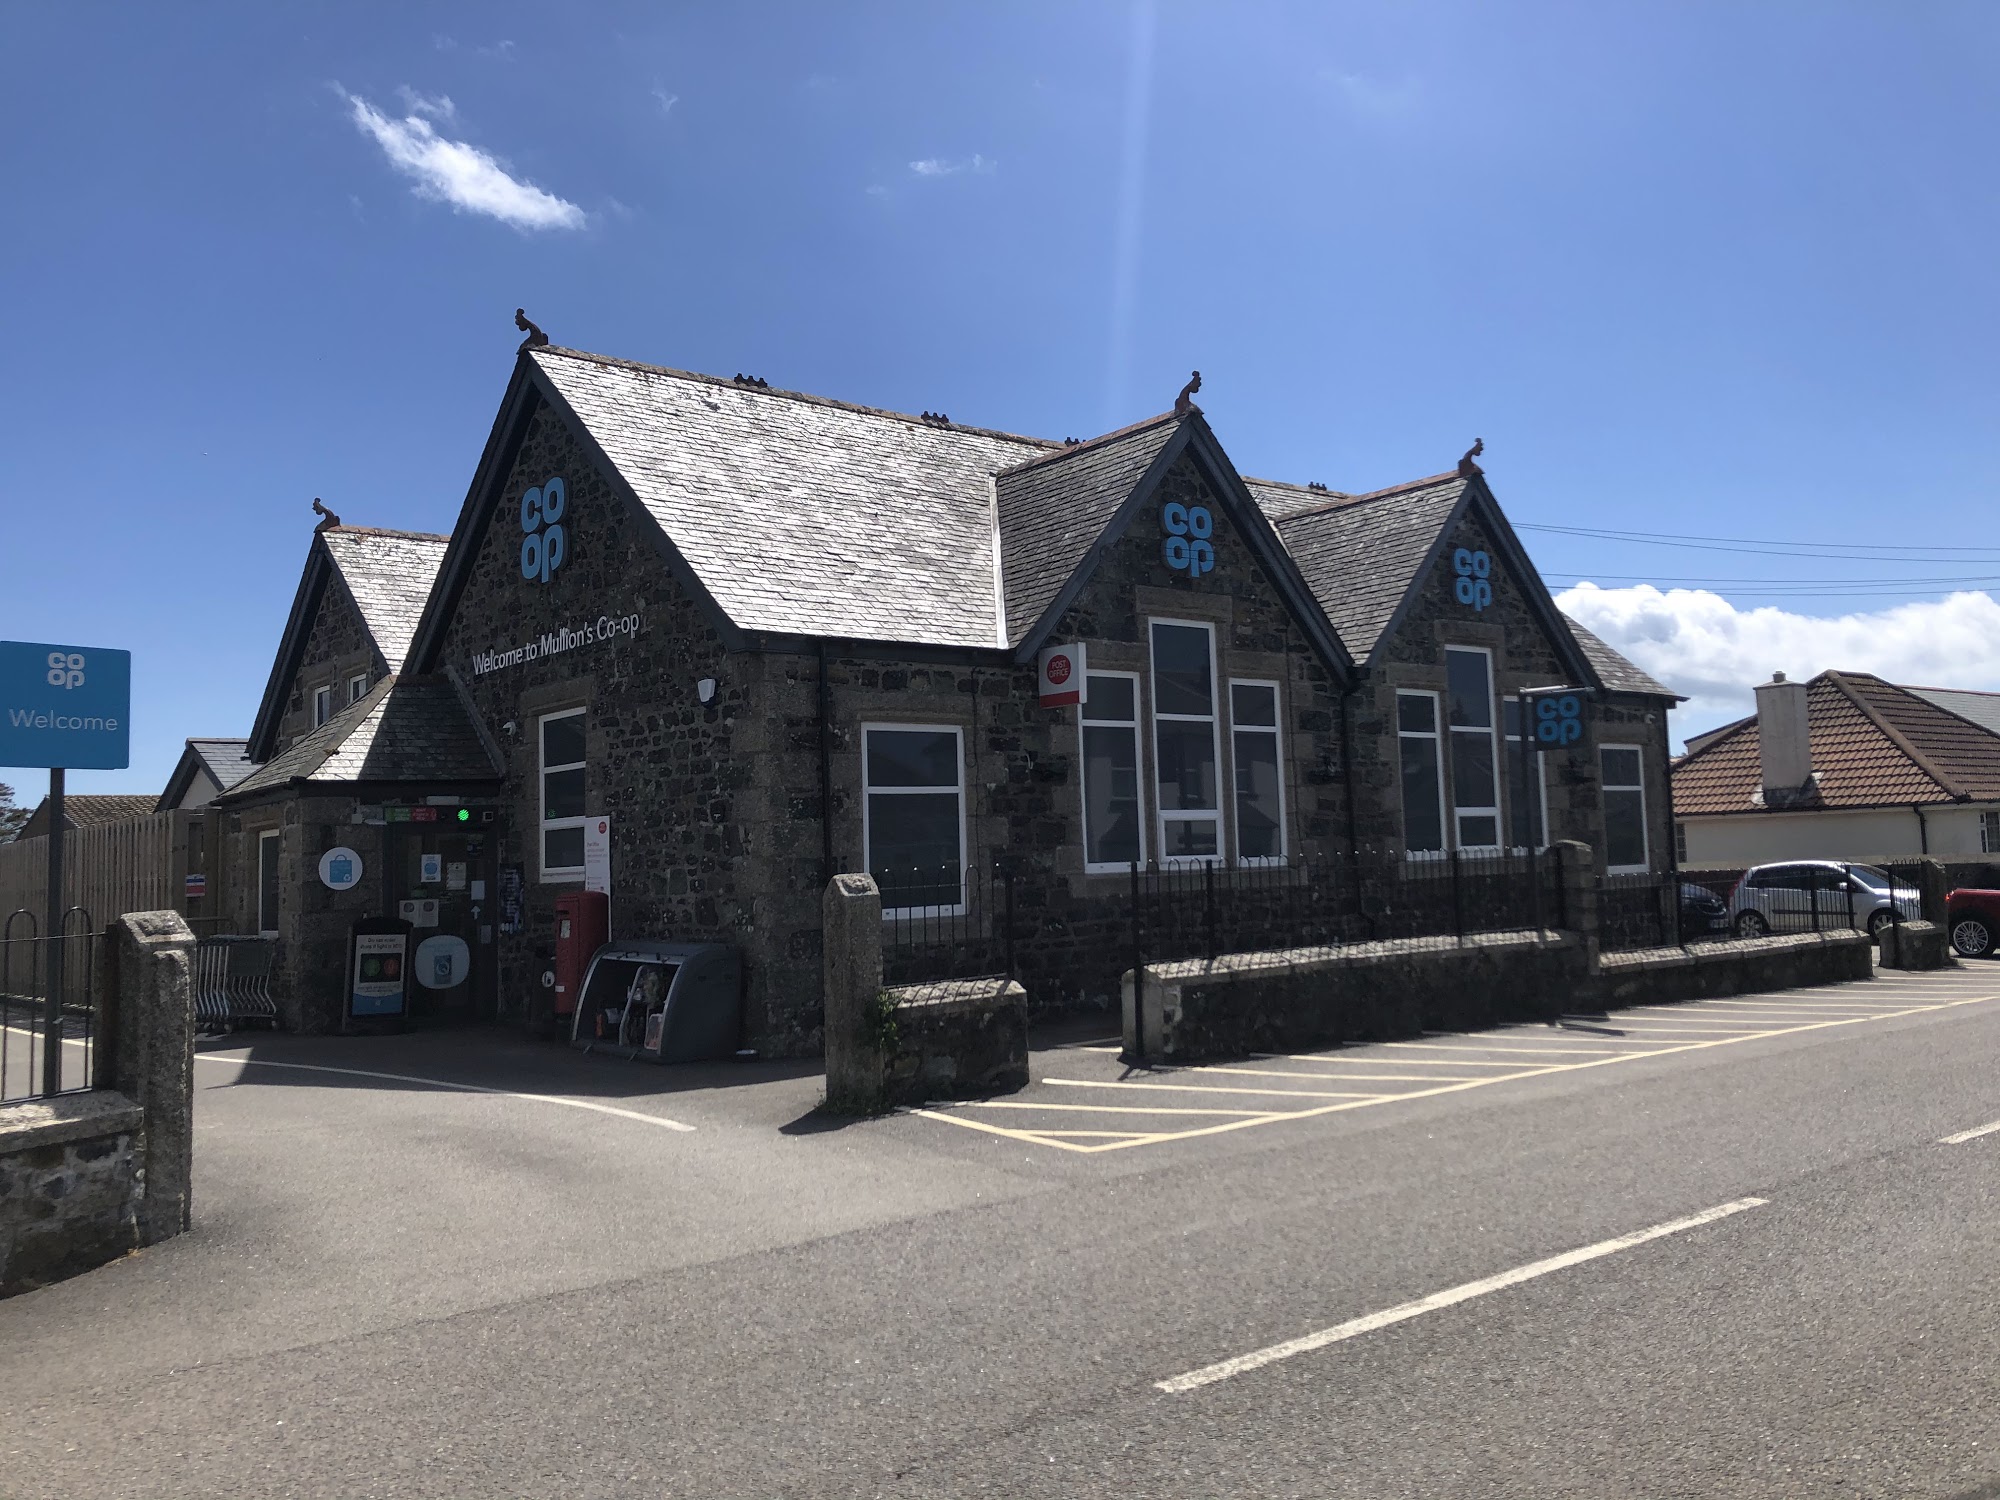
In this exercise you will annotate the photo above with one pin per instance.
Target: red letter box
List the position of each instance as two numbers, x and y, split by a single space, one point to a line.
583 920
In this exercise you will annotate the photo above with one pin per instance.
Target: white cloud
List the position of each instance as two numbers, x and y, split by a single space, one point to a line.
1700 644
432 106
932 166
665 100
448 171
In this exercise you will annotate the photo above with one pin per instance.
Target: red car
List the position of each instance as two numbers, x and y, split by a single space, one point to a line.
1973 920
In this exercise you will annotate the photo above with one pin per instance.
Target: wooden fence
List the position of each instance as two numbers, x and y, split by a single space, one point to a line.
109 869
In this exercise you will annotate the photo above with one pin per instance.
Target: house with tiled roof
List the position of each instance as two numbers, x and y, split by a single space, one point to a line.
87 810
207 768
1844 766
702 643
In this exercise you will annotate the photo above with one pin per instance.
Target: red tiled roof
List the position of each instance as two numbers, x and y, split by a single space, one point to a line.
1873 744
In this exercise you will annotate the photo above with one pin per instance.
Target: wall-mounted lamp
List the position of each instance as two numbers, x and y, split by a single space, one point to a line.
705 690
510 729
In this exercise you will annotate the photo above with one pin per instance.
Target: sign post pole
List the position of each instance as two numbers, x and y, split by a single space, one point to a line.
52 960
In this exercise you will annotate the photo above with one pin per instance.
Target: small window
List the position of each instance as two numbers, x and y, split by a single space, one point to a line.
913 817
1475 782
1186 745
1680 843
1989 833
1114 828
1527 817
1624 807
357 687
1423 785
1260 781
267 882
563 817
322 705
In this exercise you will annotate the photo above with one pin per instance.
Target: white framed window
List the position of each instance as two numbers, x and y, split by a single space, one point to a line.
1681 843
322 704
1423 772
1989 833
913 817
560 737
1623 769
1259 766
1527 818
1475 779
1114 819
357 687
267 882
1187 742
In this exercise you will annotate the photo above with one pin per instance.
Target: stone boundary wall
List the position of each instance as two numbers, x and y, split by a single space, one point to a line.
86 1177
1749 966
903 1045
1916 945
1307 998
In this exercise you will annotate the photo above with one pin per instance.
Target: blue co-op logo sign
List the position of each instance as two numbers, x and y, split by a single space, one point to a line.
1188 547
544 543
1557 720
1475 577
68 706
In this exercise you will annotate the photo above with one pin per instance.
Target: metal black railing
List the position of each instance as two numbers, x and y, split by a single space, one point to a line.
1655 910
48 1048
946 924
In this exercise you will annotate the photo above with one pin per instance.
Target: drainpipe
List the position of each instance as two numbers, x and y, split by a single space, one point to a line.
1347 780
825 768
1923 829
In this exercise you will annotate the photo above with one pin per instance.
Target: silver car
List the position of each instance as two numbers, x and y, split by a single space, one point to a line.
1811 894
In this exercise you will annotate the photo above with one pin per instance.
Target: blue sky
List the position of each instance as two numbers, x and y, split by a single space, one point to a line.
1717 270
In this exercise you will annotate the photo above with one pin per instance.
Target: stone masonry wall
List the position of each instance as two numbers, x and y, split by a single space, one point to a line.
338 647
70 1186
689 853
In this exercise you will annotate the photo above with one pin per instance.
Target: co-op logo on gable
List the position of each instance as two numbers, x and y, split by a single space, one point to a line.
544 544
1475 577
1187 546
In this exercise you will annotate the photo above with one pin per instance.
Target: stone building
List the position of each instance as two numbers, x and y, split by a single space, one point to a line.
769 637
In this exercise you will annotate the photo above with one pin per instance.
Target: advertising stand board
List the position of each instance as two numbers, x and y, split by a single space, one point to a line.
378 973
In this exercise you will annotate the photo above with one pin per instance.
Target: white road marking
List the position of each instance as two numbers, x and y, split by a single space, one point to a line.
1969 1135
443 1083
1310 1076
1243 1363
1203 1088
1106 1109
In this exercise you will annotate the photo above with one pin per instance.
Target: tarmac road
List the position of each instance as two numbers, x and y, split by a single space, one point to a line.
549 1286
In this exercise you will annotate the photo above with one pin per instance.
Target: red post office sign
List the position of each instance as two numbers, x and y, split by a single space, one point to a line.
1062 675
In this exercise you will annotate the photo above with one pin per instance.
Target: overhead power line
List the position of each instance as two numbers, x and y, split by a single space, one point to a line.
1751 546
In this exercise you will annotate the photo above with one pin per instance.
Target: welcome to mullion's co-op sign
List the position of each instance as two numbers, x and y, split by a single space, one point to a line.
65 706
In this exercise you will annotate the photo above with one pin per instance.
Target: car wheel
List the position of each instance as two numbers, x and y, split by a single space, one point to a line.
1877 920
1972 937
1751 924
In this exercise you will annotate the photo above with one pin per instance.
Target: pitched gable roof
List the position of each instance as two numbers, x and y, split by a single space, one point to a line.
1873 745
1982 709
1617 673
798 515
1362 555
387 574
412 730
226 762
87 810
1054 508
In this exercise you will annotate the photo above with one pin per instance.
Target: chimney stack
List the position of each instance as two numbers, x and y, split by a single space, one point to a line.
1784 741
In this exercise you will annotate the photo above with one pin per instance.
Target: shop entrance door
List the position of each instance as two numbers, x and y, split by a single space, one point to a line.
443 881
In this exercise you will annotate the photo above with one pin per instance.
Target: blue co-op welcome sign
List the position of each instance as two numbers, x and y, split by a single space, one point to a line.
68 706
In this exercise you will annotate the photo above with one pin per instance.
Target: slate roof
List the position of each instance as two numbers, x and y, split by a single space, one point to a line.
1982 708
1361 553
228 761
1614 671
404 729
1054 508
389 573
87 810
800 515
1873 744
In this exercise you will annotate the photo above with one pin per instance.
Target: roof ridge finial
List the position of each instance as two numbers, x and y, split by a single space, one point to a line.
1184 402
327 518
1466 467
536 338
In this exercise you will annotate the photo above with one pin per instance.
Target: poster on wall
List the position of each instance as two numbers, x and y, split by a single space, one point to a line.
511 883
597 862
377 988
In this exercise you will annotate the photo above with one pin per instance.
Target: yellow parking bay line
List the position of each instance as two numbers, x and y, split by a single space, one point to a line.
1347 1102
1108 1109
1205 1088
